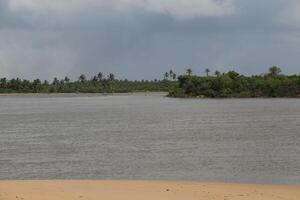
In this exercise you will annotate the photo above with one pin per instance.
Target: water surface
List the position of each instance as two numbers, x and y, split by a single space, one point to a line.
149 137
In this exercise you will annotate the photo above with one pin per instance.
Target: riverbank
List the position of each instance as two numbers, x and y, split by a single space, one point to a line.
85 94
142 190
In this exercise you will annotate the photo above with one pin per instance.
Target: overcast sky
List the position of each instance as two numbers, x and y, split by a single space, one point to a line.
141 39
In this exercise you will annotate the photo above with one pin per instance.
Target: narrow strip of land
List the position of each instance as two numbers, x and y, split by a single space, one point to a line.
142 190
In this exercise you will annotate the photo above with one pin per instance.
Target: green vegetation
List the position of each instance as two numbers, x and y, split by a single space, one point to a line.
97 84
232 84
218 85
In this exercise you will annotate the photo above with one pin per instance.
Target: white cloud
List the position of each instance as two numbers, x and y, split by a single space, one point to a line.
180 9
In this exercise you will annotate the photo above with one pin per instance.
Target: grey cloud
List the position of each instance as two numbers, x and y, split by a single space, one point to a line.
140 44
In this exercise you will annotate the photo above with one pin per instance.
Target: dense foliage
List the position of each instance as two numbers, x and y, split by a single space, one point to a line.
232 84
97 84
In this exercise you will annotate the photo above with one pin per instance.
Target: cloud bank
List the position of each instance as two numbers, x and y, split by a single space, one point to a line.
143 38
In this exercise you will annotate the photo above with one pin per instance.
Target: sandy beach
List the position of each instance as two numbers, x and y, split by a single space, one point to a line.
142 190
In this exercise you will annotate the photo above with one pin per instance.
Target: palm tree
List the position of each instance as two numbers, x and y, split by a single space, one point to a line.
207 70
111 77
217 73
166 76
55 81
171 74
274 71
189 71
82 78
174 76
67 79
100 76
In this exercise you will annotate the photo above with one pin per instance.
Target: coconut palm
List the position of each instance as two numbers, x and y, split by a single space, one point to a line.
100 76
189 71
166 76
207 70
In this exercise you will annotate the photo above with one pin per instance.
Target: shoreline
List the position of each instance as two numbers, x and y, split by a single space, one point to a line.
141 190
80 94
142 93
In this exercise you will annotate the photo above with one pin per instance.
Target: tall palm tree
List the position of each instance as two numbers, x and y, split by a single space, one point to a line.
189 71
166 76
207 70
100 76
171 73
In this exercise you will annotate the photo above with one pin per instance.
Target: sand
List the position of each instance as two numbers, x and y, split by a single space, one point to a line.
142 190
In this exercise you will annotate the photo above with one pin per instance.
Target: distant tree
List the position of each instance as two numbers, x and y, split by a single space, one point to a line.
100 76
207 70
67 79
174 76
37 82
217 73
3 82
166 76
274 71
171 74
233 74
189 71
46 83
55 81
26 84
82 78
111 77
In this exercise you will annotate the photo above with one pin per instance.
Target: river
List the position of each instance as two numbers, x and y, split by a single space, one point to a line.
149 136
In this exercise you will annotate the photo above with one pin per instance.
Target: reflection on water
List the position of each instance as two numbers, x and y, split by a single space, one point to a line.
149 137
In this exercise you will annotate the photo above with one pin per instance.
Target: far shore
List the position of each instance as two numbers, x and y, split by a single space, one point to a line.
141 93
142 190
84 94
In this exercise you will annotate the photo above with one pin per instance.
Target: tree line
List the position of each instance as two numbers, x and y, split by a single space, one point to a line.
98 83
212 85
232 84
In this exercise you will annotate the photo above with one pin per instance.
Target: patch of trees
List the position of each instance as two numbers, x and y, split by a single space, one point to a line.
97 84
233 84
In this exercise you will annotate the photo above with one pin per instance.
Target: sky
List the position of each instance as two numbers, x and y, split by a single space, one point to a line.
141 39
